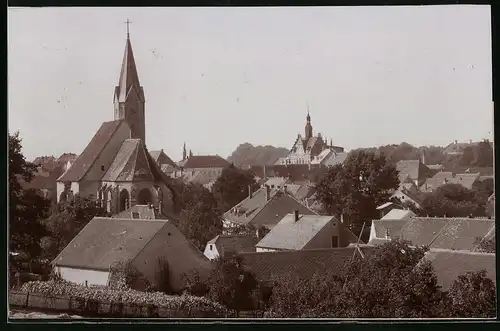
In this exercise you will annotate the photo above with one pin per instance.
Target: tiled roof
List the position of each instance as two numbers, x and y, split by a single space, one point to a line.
466 180
205 161
257 211
85 160
234 244
289 234
398 214
276 181
334 159
422 231
203 177
104 241
413 168
449 264
130 164
437 180
461 233
162 159
303 263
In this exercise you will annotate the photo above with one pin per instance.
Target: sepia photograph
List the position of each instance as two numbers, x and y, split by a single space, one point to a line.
258 163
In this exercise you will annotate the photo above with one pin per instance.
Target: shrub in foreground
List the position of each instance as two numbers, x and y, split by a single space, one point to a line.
126 296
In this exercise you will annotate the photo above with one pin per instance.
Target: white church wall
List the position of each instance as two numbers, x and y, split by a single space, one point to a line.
80 276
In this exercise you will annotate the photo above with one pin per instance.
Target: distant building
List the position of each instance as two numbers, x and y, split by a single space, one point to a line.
144 243
412 171
206 167
309 148
456 148
264 207
299 232
467 180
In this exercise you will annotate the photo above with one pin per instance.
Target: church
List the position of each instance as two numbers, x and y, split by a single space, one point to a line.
116 168
309 149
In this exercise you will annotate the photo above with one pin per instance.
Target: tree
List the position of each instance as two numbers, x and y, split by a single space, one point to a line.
232 186
453 200
484 154
485 245
201 218
473 295
67 219
468 156
26 207
231 285
355 189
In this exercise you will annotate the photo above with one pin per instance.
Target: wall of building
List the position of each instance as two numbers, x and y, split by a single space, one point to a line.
260 249
79 276
211 252
108 154
169 243
74 186
323 239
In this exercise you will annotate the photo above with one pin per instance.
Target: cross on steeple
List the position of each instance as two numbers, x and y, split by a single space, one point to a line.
128 23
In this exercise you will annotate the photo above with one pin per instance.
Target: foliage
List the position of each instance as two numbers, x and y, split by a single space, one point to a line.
231 285
454 200
355 189
248 155
473 295
26 207
194 284
127 296
201 218
66 220
232 186
246 230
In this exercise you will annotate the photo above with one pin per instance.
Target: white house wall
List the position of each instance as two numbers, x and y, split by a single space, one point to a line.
211 254
79 276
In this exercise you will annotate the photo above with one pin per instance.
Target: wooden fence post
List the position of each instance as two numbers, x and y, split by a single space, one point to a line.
27 299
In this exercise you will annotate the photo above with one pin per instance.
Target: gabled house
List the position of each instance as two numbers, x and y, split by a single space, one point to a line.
225 246
449 264
443 233
87 259
264 207
399 214
300 232
162 159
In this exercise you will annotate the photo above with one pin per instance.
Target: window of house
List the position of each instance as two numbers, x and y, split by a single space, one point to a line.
135 215
102 168
211 247
335 241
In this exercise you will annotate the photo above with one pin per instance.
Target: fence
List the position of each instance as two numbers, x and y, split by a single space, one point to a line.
91 308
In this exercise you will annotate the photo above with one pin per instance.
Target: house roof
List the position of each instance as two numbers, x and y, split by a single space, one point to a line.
334 159
233 244
301 263
130 163
466 180
87 158
437 180
413 168
385 205
257 211
398 214
104 241
205 161
294 235
201 177
446 233
161 158
449 264
276 181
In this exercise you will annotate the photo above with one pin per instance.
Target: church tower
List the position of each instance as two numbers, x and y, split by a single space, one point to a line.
129 98
309 128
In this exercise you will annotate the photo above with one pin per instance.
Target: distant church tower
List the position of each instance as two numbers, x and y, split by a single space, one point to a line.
184 153
309 128
129 98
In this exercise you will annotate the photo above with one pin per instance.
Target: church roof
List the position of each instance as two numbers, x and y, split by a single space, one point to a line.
85 160
130 164
128 76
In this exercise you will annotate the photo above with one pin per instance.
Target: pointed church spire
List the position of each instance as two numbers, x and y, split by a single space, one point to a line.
184 153
190 153
128 74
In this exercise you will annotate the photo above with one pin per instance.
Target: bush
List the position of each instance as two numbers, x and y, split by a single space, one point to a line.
103 294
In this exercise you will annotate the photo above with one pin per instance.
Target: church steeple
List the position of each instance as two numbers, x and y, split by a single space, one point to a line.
309 129
184 152
129 95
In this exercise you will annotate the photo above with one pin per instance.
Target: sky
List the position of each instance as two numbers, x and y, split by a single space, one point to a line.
215 78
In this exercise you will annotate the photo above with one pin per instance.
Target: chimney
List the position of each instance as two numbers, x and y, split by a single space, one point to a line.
296 214
268 192
250 191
